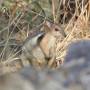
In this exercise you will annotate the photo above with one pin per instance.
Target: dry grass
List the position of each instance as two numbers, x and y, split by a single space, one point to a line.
76 30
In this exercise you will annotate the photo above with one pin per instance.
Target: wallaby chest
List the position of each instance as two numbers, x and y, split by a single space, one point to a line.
47 43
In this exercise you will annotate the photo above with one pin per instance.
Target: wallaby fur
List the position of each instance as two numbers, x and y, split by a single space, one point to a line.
48 42
32 52
40 48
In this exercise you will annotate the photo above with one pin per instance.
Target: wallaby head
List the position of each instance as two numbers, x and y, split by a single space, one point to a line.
53 29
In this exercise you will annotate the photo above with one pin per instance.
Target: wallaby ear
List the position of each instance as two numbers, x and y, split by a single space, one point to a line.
47 23
48 26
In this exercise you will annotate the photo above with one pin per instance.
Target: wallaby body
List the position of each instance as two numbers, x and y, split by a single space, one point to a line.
48 43
31 51
40 48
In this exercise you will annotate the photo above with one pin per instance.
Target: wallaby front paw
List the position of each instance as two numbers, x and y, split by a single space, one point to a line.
54 64
39 64
58 63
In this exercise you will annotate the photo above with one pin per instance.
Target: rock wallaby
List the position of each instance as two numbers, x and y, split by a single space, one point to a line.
39 49
48 43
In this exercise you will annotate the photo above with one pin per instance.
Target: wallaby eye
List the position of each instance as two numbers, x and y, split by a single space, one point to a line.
56 29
